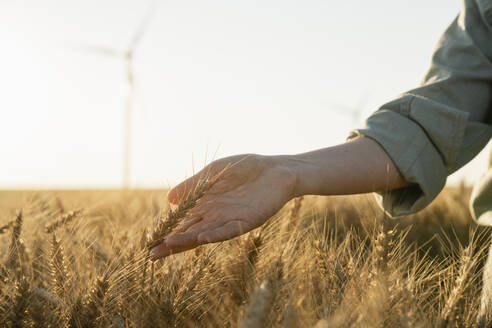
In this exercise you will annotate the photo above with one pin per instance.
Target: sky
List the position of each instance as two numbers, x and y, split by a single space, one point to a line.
213 78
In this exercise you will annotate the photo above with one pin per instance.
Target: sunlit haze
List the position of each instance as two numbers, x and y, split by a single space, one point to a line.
213 78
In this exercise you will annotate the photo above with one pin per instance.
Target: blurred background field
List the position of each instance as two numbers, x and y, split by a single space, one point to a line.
321 261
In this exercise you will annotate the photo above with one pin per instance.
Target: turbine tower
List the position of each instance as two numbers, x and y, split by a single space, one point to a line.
127 56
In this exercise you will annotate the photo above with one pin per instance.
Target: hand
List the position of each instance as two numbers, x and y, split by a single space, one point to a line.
250 189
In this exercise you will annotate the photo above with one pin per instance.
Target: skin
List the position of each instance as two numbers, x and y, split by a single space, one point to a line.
252 188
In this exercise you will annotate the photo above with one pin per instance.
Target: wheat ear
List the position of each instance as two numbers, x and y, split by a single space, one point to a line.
383 248
58 269
63 220
16 246
449 312
165 227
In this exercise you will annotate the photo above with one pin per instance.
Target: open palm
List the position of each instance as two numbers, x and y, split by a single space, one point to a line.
250 189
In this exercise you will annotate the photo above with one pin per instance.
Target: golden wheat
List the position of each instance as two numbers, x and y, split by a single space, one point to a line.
342 266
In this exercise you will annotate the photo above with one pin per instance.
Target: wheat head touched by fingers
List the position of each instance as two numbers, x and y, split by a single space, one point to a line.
166 226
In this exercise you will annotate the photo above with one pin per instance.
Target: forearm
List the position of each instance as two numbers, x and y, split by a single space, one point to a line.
358 166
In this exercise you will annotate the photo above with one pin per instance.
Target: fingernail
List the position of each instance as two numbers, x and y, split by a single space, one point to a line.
154 252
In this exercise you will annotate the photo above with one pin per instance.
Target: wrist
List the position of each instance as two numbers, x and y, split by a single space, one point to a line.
291 170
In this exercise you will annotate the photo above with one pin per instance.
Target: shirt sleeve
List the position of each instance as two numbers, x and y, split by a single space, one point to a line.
433 130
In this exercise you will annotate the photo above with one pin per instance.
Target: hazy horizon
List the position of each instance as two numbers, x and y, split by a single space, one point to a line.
215 77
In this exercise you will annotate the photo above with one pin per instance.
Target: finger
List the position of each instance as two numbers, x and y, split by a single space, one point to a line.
221 187
203 205
185 236
179 193
163 250
206 225
182 241
175 243
227 231
187 223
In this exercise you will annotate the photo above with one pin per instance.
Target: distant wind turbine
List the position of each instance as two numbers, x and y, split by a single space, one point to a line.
355 111
127 56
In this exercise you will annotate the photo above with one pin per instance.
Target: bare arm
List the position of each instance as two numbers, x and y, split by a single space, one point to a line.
256 187
359 166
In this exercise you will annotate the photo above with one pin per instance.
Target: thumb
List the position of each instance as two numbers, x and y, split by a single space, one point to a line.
181 191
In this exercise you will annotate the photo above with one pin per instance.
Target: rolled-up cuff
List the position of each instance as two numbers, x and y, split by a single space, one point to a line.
414 155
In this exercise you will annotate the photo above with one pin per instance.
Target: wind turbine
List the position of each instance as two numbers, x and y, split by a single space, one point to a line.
128 56
353 111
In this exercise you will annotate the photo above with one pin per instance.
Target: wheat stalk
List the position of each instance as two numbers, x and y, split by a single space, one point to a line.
94 305
257 312
186 290
251 249
18 312
166 226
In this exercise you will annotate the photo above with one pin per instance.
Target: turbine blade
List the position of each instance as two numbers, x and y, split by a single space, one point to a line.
341 108
142 27
97 50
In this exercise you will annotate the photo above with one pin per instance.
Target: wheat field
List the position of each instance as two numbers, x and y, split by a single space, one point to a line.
80 259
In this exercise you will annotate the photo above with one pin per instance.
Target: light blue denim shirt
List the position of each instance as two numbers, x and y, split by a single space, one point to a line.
433 130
